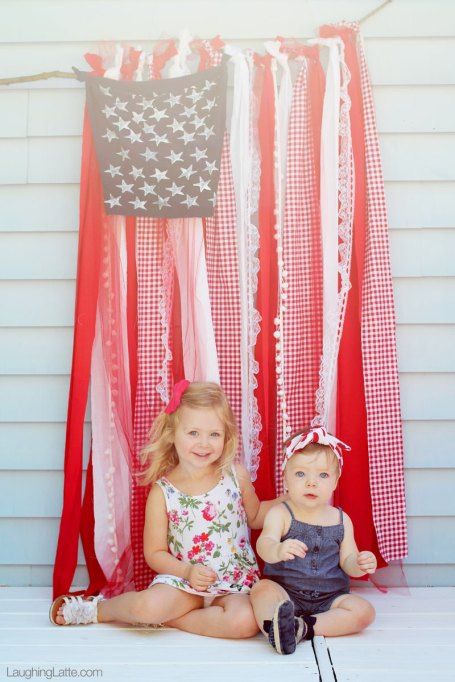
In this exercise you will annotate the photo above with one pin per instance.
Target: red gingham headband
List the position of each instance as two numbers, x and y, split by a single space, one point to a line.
318 435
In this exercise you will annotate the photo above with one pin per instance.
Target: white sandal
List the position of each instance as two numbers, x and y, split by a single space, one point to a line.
76 610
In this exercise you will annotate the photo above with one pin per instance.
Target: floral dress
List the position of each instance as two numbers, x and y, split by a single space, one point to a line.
210 529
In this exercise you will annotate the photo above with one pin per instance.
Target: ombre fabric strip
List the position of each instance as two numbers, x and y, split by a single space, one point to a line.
300 328
382 389
112 428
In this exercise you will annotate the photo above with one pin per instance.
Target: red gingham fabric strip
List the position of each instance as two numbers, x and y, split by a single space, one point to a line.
382 389
302 322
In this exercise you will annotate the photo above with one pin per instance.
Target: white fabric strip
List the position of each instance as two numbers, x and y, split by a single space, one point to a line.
242 161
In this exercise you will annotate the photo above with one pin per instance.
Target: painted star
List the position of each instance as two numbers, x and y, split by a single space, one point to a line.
125 154
137 203
199 154
198 122
202 184
207 132
173 157
187 137
187 172
176 126
149 129
123 106
194 96
208 85
108 111
210 104
112 201
137 172
159 175
173 100
113 170
175 189
159 114
190 201
189 111
147 189
124 187
138 118
110 135
163 202
161 138
146 104
106 91
134 137
149 155
210 167
121 124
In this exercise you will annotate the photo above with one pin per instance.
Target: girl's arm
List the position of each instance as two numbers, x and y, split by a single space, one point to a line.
269 545
254 508
353 562
156 551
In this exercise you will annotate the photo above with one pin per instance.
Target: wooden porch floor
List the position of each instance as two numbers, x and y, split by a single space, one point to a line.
412 638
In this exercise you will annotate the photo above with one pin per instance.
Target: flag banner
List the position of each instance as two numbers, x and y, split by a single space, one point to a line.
158 142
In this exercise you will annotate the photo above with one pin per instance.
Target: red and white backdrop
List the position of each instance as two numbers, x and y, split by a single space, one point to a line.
281 291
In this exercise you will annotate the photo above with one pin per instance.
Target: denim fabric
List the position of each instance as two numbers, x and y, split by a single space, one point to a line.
316 580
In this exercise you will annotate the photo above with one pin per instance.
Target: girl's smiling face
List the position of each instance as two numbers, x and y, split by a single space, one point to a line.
310 479
199 437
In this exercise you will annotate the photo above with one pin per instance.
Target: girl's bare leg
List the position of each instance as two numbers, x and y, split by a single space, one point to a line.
265 597
347 615
153 606
230 616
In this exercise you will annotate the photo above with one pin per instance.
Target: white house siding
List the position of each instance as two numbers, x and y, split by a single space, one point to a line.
411 53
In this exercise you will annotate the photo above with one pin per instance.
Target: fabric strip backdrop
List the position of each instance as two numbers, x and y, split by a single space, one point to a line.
299 327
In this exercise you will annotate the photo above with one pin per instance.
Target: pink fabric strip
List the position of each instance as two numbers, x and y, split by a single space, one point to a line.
301 332
382 389
112 437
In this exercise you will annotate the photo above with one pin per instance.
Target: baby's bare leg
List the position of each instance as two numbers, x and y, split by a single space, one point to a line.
230 616
347 615
265 597
154 605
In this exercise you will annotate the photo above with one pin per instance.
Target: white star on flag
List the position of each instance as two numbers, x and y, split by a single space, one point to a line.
149 129
189 111
113 170
173 100
110 135
147 189
202 184
175 189
106 91
108 111
189 201
137 172
124 187
158 115
138 117
210 167
210 104
162 202
123 106
173 157
199 154
134 137
146 104
137 203
149 155
113 201
198 122
194 96
207 132
121 124
176 126
125 154
187 137
159 175
161 138
208 85
187 172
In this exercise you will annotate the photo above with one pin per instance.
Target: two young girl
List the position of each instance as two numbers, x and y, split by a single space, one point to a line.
196 535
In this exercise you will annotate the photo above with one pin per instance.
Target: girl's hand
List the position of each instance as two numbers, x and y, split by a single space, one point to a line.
289 549
366 561
200 577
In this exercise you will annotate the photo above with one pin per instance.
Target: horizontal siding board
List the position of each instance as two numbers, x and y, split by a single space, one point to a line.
420 204
428 444
422 253
51 303
48 20
39 207
415 109
16 152
37 446
13 113
62 160
48 350
33 540
429 492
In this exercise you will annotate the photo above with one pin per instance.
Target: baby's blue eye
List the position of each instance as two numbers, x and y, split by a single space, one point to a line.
215 434
300 474
324 475
193 433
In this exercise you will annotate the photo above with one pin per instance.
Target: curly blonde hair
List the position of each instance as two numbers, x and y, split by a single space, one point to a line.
159 455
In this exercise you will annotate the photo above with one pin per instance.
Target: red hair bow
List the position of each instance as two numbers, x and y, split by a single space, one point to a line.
177 392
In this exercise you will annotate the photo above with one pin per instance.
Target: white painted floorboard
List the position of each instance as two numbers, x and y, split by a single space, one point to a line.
412 638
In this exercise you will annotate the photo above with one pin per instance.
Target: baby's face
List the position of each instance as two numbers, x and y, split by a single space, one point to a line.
310 479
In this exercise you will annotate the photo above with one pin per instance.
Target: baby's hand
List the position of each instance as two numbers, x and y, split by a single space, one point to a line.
201 577
291 548
366 561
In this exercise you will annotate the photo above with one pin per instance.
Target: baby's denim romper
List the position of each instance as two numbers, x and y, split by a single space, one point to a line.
313 582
